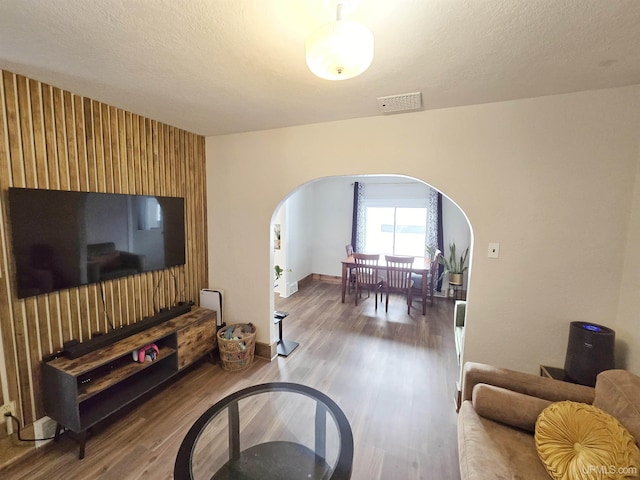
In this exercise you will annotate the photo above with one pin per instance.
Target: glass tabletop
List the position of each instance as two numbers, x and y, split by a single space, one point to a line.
271 431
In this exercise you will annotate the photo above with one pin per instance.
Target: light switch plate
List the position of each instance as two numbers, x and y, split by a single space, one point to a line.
494 250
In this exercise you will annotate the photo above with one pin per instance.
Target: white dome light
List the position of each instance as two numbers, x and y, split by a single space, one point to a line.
339 50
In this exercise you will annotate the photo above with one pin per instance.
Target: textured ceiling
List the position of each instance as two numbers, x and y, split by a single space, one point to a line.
223 66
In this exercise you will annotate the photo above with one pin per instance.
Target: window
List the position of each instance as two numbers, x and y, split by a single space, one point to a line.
395 230
149 214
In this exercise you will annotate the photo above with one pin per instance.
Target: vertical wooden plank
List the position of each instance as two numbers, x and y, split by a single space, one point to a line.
5 151
37 120
6 308
42 322
65 316
81 144
13 130
98 145
113 304
115 149
158 154
31 357
118 310
51 147
75 314
173 145
26 132
185 167
87 313
122 153
129 122
131 300
151 171
27 332
148 124
202 221
72 148
61 138
89 144
105 125
144 160
187 192
137 189
94 307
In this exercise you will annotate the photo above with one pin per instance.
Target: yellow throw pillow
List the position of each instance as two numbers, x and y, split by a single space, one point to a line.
576 441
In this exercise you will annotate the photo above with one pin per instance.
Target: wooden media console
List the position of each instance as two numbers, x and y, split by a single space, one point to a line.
80 392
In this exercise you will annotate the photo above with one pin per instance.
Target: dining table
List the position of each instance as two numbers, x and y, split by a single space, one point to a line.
421 266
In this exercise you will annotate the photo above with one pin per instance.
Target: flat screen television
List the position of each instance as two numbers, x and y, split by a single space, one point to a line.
63 239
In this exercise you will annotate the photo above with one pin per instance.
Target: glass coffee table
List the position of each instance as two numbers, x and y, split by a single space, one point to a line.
276 431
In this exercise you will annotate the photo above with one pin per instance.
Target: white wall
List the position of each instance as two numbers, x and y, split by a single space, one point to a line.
296 218
333 207
455 229
628 325
280 254
550 178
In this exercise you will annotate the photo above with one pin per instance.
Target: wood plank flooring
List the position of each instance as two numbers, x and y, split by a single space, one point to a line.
392 374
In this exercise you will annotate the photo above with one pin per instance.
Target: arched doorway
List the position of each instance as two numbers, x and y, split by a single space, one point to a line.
314 225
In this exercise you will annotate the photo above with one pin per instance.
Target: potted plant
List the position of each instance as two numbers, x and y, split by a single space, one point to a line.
279 271
453 266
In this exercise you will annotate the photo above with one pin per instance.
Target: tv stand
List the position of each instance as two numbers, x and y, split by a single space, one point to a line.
82 391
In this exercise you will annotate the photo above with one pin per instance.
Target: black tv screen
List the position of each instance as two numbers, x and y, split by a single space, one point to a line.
64 239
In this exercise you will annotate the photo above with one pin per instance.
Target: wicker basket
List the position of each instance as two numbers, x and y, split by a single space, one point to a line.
237 354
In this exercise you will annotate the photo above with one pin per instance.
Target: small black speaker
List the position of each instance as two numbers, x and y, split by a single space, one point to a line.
589 352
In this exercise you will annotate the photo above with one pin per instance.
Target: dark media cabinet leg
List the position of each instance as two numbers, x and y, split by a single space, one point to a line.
83 442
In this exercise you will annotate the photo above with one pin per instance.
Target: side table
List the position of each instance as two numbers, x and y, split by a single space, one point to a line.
284 347
554 373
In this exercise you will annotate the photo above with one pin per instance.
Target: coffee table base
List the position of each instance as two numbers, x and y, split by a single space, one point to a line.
274 461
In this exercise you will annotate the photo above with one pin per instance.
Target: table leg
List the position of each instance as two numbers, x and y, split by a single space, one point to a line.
344 280
425 276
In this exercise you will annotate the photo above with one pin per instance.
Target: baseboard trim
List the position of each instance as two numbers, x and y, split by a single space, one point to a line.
266 351
303 282
327 278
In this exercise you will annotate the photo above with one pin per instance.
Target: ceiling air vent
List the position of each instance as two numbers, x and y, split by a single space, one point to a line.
405 102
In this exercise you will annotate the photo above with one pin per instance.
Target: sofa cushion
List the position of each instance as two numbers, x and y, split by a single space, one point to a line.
508 407
618 394
97 249
579 441
488 449
107 261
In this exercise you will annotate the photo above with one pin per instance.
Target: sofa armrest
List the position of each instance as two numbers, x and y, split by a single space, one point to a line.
93 271
132 260
508 407
526 383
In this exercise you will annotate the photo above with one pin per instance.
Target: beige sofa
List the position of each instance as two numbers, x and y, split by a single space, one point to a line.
499 409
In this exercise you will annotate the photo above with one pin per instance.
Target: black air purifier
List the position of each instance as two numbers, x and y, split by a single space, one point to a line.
589 352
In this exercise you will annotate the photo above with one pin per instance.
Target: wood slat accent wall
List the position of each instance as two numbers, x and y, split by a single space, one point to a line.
51 138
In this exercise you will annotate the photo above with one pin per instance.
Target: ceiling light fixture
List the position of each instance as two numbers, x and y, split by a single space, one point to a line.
339 50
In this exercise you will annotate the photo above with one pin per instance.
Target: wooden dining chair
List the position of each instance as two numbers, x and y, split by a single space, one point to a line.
367 275
398 278
351 274
433 275
432 280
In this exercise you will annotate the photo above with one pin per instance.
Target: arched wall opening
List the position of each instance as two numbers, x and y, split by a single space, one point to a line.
511 166
311 226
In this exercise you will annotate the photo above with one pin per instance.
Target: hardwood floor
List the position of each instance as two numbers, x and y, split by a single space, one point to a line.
392 374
